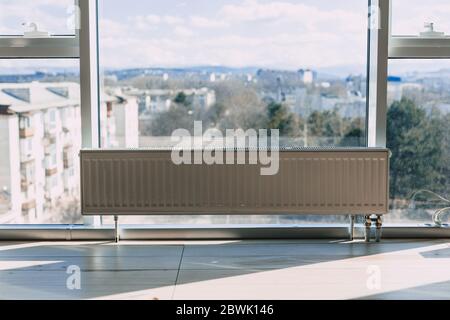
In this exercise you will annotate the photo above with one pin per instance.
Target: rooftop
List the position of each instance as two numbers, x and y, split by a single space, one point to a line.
34 96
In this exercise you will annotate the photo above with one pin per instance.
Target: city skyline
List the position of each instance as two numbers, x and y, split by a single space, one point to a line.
403 68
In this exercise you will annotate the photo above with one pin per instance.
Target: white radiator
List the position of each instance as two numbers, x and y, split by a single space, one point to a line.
146 182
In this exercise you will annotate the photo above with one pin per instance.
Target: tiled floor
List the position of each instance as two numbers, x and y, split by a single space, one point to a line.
227 270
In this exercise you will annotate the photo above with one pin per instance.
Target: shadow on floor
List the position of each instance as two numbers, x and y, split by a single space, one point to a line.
155 271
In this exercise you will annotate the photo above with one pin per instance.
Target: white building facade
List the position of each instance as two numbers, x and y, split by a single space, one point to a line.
40 126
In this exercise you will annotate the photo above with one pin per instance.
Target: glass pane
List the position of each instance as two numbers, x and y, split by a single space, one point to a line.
41 137
419 138
409 16
54 17
233 64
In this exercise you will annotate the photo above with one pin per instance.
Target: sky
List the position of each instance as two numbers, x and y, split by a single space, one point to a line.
263 33
325 35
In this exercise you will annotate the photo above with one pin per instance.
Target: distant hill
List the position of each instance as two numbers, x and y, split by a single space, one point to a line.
323 74
121 74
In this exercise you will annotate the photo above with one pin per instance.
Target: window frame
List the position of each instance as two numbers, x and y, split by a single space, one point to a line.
57 47
382 46
81 46
54 47
414 47
378 39
403 47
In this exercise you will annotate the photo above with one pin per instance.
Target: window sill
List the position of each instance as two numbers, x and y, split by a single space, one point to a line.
54 47
416 47
205 232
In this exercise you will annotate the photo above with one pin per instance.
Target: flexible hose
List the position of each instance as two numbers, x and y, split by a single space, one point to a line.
437 216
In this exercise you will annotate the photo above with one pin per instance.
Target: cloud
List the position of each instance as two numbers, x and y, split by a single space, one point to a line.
277 34
252 10
112 28
311 17
150 19
27 66
202 22
183 32
172 20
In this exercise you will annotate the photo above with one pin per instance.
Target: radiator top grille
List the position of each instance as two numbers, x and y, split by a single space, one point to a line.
280 149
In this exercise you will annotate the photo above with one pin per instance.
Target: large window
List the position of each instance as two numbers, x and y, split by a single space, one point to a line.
54 17
233 65
40 118
409 16
296 66
40 129
417 110
418 135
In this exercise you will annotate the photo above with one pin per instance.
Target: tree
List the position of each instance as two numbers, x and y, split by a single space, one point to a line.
315 124
326 125
332 125
352 138
215 113
182 99
240 107
441 123
281 118
414 140
165 123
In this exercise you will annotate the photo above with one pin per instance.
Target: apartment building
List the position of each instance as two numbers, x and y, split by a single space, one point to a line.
397 88
40 126
119 120
160 100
